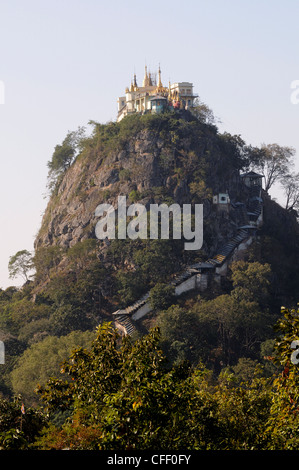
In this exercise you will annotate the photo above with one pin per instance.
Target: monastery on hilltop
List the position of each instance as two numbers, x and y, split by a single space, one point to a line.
153 97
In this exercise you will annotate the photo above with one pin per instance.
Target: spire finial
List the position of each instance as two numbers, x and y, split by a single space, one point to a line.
159 77
145 80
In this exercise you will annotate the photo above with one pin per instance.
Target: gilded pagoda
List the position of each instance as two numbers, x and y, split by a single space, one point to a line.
153 97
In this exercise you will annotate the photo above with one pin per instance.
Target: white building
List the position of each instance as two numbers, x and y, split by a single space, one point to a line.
152 96
183 92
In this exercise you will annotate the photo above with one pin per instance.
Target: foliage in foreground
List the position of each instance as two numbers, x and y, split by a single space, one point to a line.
122 395
19 426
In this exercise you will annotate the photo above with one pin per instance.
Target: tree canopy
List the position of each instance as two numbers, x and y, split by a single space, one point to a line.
63 156
120 394
20 264
274 162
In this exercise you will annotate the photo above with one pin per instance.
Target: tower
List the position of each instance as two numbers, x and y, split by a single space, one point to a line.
145 80
160 88
159 78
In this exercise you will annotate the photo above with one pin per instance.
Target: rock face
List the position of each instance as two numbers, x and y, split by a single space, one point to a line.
152 159
69 216
157 163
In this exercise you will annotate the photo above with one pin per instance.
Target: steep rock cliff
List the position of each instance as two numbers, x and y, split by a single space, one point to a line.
158 159
169 158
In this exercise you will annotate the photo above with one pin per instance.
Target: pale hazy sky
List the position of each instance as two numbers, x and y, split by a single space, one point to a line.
65 62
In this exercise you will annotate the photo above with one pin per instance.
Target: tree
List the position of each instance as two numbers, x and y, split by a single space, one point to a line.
161 296
45 259
274 162
82 253
199 189
230 328
290 185
283 423
156 260
22 311
64 155
18 426
181 335
123 397
251 281
20 264
242 413
204 113
42 360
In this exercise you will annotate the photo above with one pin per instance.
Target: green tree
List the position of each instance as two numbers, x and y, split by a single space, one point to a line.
290 185
273 161
121 396
18 313
161 296
283 424
231 328
251 281
238 153
122 390
155 260
82 253
18 427
242 413
46 258
129 287
64 155
199 189
20 264
181 335
42 360
203 112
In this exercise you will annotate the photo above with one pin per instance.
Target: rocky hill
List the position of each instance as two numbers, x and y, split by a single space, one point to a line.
169 158
155 159
208 309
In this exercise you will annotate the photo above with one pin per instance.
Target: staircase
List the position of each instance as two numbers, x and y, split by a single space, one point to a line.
241 215
245 215
125 322
123 316
229 247
255 203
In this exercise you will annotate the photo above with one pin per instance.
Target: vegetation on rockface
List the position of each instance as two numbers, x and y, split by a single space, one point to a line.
63 156
197 381
149 158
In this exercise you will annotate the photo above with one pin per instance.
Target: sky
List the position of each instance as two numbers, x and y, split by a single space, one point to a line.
64 63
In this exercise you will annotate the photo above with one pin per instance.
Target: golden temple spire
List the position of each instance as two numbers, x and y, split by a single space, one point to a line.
149 79
145 80
159 78
169 91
